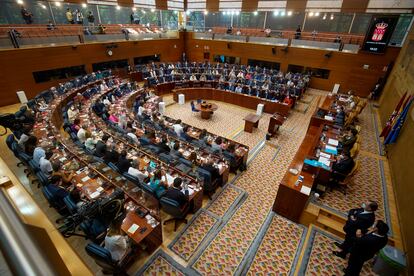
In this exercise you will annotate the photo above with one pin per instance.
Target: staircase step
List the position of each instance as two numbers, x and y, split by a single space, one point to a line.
329 223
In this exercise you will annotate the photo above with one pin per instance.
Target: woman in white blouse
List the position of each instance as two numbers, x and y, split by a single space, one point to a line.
115 242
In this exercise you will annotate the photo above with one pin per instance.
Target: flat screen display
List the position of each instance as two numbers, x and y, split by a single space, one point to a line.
379 33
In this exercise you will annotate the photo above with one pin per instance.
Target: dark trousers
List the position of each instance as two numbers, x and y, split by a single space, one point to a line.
348 242
354 267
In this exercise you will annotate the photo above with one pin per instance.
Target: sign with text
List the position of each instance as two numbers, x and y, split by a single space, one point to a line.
379 33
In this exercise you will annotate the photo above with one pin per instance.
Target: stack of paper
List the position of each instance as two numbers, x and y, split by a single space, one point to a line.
333 142
324 161
134 227
331 149
305 190
324 154
329 118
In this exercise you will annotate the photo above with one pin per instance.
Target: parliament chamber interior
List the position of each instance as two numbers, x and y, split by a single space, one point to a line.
206 137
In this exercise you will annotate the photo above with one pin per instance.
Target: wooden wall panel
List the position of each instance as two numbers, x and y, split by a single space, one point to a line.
354 5
161 4
249 5
213 5
401 154
18 64
346 69
126 3
296 5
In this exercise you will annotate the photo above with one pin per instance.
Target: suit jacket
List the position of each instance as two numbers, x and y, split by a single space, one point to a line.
215 173
344 166
368 245
111 156
177 195
100 149
123 164
362 221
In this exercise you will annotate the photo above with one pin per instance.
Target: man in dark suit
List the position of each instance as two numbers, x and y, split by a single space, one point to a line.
176 194
111 155
123 163
366 246
215 173
359 219
100 148
342 167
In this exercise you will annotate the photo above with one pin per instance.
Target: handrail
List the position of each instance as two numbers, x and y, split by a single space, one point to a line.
22 254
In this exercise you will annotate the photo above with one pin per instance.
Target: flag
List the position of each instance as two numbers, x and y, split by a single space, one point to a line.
388 126
393 135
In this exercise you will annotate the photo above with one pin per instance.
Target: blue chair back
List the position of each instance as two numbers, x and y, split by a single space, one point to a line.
132 178
10 140
171 207
102 257
70 205
186 162
113 166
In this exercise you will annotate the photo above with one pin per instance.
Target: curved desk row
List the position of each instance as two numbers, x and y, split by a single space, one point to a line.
242 100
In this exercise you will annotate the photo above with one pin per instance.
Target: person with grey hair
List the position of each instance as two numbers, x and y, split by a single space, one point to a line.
134 171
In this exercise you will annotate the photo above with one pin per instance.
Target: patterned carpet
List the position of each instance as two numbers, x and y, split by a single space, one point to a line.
318 259
162 264
238 235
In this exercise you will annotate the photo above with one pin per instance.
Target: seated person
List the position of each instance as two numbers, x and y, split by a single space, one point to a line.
72 113
116 243
342 166
30 145
157 184
24 137
348 140
214 172
45 165
178 128
100 147
175 150
123 163
134 171
59 175
75 195
90 142
82 133
76 125
162 144
111 155
288 100
112 118
184 134
216 146
174 192
132 135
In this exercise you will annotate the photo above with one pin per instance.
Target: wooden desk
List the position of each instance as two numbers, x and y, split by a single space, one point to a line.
239 99
274 123
251 121
206 111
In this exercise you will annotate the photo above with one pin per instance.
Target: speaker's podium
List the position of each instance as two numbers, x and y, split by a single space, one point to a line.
274 123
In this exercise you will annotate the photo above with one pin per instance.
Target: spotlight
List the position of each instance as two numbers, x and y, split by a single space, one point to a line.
311 14
20 2
118 8
332 16
57 4
152 10
134 9
283 13
232 12
84 5
188 12
317 14
143 11
289 13
237 12
205 12
324 16
255 13
275 13
175 12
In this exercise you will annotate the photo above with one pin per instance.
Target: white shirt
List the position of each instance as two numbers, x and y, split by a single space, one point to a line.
117 245
45 166
72 114
90 143
193 78
23 139
178 129
133 137
140 110
38 153
82 135
137 173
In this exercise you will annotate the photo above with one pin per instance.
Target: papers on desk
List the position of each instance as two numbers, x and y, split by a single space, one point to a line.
118 178
134 227
63 159
331 149
106 169
324 154
324 161
333 142
329 118
95 194
305 190
86 178
100 189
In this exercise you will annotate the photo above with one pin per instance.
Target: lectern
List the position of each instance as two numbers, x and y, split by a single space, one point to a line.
274 123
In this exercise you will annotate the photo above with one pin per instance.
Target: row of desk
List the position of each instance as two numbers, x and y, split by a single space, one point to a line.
242 100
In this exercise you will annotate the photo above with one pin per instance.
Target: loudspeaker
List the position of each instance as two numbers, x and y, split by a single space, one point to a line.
328 55
228 46
274 50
